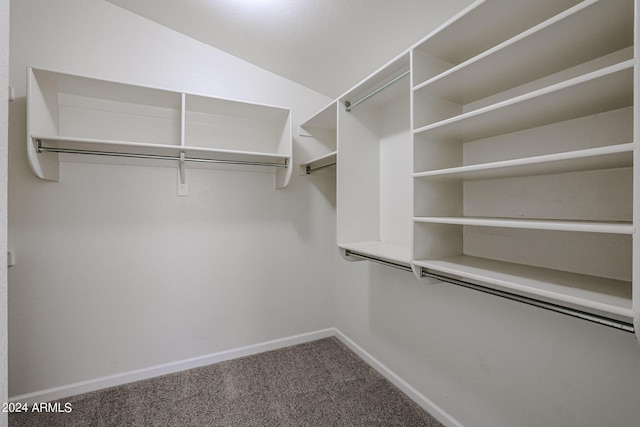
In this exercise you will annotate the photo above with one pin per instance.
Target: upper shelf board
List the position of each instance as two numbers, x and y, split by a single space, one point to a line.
477 78
603 90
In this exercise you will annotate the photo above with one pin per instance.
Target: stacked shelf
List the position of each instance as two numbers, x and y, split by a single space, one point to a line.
72 115
523 158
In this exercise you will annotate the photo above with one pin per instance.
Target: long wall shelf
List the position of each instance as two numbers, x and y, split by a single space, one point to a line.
69 114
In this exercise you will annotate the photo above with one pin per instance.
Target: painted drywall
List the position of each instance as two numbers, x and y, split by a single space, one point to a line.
4 129
115 272
489 361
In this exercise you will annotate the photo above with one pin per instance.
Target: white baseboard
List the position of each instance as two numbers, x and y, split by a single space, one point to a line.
182 365
168 368
436 412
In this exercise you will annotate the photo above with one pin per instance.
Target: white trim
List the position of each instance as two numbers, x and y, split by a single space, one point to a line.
182 365
168 368
434 410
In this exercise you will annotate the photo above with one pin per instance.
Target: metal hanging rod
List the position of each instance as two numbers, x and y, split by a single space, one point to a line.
628 327
309 169
378 260
41 149
350 105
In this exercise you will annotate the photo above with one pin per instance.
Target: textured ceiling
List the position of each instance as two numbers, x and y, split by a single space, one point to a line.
327 45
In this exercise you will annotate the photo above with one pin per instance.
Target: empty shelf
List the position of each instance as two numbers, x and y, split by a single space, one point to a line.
603 90
602 296
537 224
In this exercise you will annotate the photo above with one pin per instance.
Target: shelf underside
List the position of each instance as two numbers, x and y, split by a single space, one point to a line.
480 28
325 119
535 224
612 87
114 147
476 78
601 296
385 251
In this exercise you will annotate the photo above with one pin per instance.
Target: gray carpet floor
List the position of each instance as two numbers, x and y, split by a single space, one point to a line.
321 383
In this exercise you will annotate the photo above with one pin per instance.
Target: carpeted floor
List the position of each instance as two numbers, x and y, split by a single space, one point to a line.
321 383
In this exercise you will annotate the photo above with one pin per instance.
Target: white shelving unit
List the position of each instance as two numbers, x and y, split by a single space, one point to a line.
524 159
70 115
321 131
374 171
522 130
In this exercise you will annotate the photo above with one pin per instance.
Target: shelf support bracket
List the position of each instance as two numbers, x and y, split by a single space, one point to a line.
183 184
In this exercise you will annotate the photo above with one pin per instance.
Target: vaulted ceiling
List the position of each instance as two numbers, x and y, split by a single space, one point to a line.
327 45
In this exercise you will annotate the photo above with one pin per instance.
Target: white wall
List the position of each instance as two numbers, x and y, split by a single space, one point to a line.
4 111
489 361
116 273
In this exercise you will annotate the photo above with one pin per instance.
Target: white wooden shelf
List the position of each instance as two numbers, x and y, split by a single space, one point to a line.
611 86
510 155
70 114
524 133
535 224
395 253
477 29
607 297
321 132
609 157
476 78
321 162
107 147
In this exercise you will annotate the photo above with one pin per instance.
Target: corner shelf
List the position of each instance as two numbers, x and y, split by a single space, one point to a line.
69 114
320 132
